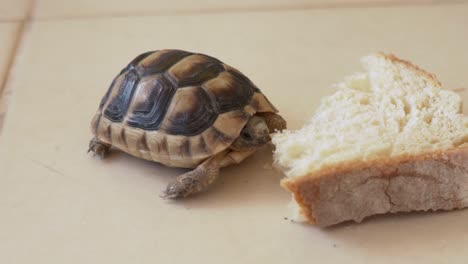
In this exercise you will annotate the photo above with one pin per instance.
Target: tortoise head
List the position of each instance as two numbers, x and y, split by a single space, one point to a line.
254 134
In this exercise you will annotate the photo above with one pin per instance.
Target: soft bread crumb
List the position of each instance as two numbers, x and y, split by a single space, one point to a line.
390 118
387 111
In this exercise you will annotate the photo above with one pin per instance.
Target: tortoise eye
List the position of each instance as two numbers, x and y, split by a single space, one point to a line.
246 135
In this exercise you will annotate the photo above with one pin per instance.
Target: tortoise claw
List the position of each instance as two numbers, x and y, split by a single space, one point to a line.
175 190
98 147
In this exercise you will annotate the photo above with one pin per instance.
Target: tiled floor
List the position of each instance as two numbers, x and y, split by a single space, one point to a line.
13 9
59 205
71 8
8 34
8 40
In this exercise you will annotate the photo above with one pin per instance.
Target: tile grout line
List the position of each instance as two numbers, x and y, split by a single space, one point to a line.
251 9
5 90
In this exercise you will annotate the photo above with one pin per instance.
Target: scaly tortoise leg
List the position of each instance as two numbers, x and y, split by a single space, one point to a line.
196 180
98 147
274 122
204 175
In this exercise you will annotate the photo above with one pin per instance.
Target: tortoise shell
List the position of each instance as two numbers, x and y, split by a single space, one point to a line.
176 107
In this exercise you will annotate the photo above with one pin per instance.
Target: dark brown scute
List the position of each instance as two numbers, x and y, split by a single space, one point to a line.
143 143
161 61
194 70
201 146
230 92
129 66
118 105
185 149
261 103
255 104
220 136
243 79
137 60
96 122
270 104
190 113
123 138
108 134
109 90
215 140
163 146
148 113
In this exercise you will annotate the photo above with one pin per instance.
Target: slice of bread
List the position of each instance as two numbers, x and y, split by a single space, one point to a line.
388 140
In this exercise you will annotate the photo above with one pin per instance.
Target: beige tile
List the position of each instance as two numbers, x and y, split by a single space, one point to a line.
8 35
60 205
13 9
72 8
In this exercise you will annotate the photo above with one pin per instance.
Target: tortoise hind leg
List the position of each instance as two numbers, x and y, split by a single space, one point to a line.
98 147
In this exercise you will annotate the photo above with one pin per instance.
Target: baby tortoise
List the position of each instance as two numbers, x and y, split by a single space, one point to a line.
186 110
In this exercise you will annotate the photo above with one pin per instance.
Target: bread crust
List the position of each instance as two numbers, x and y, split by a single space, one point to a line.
354 190
394 59
445 170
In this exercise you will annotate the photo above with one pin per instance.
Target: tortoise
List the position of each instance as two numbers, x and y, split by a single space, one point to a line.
187 110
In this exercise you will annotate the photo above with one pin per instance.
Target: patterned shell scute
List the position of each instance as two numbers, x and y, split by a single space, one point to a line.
176 92
228 86
159 62
154 95
190 112
118 107
194 70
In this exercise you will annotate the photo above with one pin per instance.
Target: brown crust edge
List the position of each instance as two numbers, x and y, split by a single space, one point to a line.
293 185
394 59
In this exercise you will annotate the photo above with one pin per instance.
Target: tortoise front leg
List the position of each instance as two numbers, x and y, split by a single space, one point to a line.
196 180
98 147
273 121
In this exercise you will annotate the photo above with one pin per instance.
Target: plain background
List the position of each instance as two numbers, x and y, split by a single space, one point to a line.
60 205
